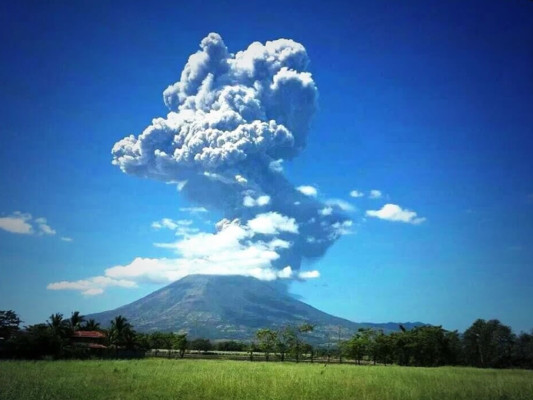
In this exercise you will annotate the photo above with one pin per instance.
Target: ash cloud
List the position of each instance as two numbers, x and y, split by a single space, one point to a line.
233 120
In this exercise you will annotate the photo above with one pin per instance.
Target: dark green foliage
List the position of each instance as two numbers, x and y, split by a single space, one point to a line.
230 345
484 344
200 344
9 324
36 342
523 351
266 341
179 342
121 334
91 325
488 344
76 320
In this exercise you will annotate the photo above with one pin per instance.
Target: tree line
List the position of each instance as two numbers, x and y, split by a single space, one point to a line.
485 344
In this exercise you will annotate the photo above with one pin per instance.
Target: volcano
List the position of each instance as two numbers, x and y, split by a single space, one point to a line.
230 307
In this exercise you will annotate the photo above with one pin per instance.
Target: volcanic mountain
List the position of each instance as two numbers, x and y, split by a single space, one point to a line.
229 307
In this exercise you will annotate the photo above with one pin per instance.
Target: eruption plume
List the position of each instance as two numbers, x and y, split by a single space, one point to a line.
233 120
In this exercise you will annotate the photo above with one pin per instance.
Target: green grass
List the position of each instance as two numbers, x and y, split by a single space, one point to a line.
204 379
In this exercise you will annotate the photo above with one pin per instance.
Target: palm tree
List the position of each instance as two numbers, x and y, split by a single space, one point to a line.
60 330
91 325
58 325
75 320
121 333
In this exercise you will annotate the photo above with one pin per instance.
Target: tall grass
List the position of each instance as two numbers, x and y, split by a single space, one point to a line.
206 379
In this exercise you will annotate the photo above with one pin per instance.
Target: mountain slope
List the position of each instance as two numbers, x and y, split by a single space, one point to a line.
227 307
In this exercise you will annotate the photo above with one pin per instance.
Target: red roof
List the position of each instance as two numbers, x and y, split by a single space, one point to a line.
96 346
88 334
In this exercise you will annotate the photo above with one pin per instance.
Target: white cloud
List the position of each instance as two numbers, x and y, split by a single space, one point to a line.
276 166
17 223
375 194
43 227
343 228
326 211
285 272
343 205
355 193
261 201
308 190
66 239
272 223
241 179
170 223
393 212
25 224
309 274
193 210
232 250
181 227
180 185
91 286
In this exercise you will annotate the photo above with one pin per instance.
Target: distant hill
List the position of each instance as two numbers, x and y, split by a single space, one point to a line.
230 307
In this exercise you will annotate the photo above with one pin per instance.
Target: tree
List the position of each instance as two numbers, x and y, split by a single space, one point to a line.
60 328
121 333
76 320
203 345
303 347
9 323
180 343
160 340
282 343
231 345
523 351
488 344
91 325
267 341
356 347
384 348
37 342
289 340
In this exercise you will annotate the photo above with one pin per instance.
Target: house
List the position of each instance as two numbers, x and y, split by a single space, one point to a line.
92 340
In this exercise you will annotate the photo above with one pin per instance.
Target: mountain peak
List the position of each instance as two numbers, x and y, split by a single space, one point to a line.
225 307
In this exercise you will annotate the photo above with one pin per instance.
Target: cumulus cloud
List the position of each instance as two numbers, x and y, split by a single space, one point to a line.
356 194
393 212
17 223
25 224
234 249
272 223
261 201
375 194
308 190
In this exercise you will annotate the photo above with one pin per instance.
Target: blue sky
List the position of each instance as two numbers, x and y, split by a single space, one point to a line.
428 103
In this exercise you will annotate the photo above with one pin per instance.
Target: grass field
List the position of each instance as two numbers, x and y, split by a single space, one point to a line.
205 379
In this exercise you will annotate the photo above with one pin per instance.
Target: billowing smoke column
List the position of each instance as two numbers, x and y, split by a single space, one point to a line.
233 119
